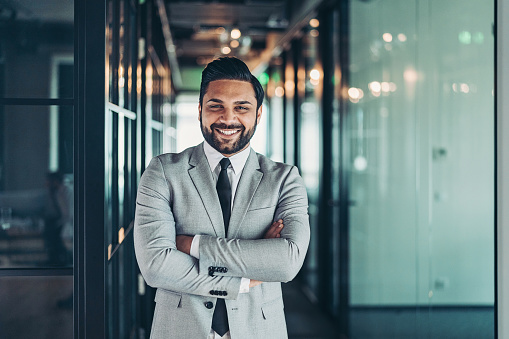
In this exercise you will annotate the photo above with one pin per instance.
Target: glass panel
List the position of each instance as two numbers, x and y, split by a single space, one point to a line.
421 186
36 186
36 307
36 38
275 91
309 86
110 60
289 115
123 58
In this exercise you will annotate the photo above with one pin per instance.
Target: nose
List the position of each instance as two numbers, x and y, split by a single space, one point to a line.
228 116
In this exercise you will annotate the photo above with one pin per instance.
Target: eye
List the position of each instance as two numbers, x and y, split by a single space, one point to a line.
242 108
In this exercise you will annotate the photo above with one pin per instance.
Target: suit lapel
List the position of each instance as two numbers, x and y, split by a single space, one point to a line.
248 183
204 183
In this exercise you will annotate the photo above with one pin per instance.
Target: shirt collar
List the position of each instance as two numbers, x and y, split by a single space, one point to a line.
214 157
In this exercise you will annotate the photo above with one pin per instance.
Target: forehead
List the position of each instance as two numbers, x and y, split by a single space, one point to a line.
229 90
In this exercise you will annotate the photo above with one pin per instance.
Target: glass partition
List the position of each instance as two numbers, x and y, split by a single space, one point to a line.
420 125
36 49
38 307
36 192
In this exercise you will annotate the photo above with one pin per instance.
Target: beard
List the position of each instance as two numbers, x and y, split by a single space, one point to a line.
227 147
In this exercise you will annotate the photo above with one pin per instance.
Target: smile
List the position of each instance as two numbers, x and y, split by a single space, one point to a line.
228 131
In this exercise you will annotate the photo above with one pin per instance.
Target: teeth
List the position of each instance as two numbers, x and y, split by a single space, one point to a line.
227 132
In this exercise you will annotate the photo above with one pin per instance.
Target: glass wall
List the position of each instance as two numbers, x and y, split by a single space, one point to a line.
421 168
309 75
36 169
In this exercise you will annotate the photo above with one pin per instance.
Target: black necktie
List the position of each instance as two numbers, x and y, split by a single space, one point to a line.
224 191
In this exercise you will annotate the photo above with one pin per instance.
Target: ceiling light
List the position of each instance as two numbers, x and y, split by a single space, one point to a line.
226 50
387 37
314 74
235 34
314 23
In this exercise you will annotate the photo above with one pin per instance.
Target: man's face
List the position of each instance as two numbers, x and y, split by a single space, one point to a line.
228 117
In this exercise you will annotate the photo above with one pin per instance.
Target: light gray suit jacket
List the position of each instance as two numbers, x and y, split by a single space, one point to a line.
177 195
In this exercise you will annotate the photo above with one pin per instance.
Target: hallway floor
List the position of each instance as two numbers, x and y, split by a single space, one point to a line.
304 319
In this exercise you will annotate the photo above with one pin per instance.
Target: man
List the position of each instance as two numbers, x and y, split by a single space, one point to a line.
218 227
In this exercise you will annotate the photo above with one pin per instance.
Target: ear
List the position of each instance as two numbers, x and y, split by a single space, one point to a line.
199 112
259 115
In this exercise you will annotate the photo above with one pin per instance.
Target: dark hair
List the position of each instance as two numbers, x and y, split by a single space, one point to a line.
230 68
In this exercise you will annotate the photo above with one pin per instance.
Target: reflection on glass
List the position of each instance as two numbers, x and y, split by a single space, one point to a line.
36 307
309 146
420 183
35 38
36 187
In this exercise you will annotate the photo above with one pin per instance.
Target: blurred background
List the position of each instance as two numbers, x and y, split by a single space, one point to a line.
387 107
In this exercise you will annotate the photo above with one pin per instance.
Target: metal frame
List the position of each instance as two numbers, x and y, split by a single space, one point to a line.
502 166
89 167
326 241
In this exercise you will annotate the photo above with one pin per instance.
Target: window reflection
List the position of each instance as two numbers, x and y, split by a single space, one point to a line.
421 185
35 36
36 192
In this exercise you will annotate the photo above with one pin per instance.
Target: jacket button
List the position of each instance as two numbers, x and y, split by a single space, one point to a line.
225 270
209 304
211 292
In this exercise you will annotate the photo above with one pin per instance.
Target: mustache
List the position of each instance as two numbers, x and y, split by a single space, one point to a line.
225 126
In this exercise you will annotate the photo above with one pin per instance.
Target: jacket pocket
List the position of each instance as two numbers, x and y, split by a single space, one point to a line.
273 309
168 298
259 208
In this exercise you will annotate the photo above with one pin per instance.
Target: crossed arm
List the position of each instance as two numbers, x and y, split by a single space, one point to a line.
163 258
184 243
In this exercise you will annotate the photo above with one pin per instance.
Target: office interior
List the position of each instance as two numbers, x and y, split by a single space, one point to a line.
392 110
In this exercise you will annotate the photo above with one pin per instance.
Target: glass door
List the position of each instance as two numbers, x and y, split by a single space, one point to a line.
421 169
37 115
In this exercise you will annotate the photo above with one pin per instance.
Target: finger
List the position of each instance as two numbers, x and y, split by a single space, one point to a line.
270 231
274 229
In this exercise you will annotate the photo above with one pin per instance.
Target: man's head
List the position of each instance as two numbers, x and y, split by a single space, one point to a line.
230 105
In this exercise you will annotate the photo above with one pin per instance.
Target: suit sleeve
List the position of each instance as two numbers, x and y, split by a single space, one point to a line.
268 260
161 264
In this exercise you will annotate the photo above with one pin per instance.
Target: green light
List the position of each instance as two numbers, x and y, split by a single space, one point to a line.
465 37
263 78
276 77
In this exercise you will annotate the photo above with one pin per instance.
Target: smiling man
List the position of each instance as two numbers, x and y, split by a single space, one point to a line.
218 227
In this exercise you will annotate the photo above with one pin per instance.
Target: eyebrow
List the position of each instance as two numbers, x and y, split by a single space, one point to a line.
240 102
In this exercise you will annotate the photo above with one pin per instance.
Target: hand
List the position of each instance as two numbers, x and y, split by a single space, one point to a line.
274 230
184 243
253 283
